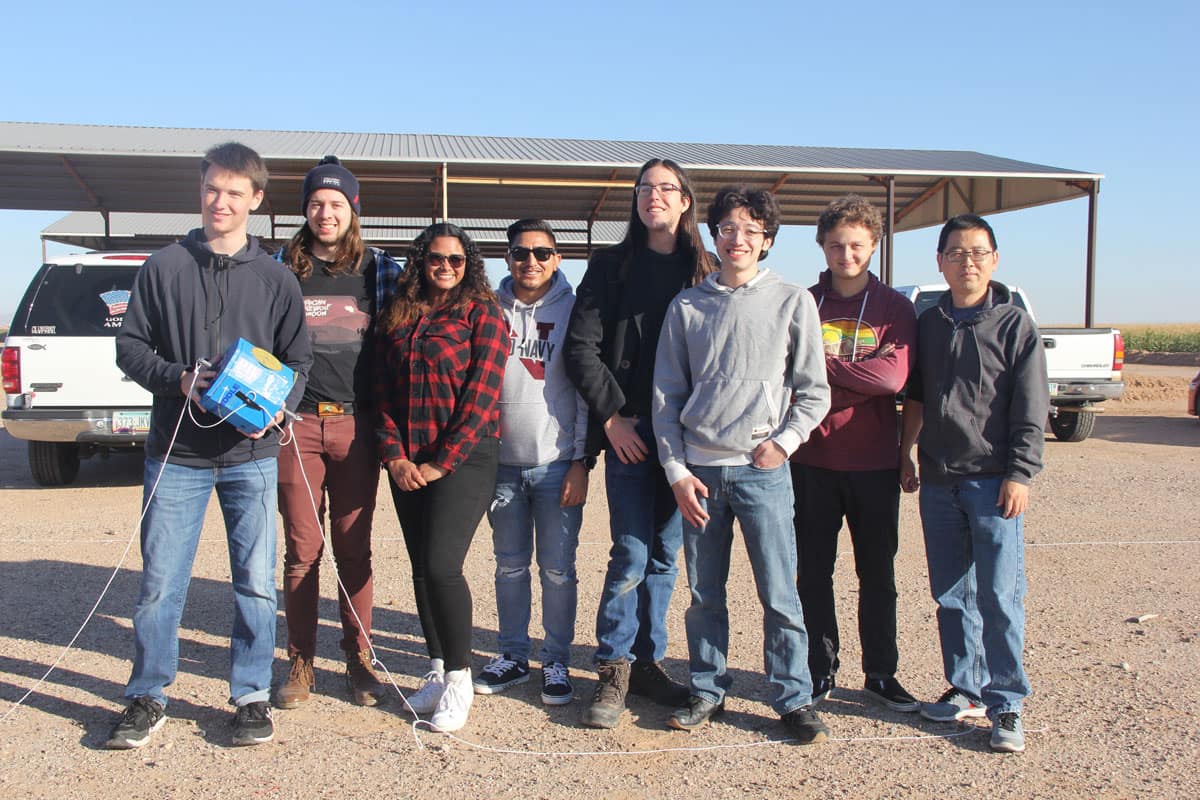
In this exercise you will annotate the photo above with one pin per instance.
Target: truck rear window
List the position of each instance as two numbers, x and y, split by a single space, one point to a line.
75 301
927 300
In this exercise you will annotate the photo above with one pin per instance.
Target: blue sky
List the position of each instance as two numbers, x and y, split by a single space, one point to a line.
1098 87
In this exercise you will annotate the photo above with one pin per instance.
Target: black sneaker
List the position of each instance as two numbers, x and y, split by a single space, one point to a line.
253 724
141 718
890 693
648 679
696 714
556 684
822 687
501 673
805 726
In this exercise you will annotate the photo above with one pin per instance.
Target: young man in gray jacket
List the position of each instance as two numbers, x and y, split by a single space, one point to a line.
978 399
739 384
542 479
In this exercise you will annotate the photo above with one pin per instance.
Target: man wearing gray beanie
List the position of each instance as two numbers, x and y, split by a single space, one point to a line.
346 285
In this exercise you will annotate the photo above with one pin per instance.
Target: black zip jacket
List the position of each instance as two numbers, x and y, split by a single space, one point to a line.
189 303
983 386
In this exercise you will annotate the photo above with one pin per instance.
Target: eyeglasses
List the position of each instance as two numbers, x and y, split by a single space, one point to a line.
645 189
959 256
457 260
728 230
519 254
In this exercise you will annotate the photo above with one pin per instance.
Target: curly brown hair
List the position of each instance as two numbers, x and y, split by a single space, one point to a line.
410 299
849 209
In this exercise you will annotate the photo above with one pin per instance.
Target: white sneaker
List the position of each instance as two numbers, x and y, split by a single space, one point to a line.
452 710
425 699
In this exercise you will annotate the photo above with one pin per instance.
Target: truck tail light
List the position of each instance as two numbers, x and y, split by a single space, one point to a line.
10 367
1118 353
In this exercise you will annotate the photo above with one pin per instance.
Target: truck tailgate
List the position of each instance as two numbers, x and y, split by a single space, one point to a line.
79 371
1078 354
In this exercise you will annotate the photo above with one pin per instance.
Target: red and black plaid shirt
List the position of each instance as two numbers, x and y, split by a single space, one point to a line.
437 385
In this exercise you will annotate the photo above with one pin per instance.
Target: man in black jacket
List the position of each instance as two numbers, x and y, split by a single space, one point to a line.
190 302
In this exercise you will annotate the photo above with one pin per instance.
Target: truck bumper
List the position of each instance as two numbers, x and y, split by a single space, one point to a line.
1076 393
82 425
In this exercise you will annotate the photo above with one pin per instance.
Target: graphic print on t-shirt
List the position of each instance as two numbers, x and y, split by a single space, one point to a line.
838 336
535 354
335 319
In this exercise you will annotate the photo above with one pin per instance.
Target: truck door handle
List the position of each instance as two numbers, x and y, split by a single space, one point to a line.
1049 344
45 387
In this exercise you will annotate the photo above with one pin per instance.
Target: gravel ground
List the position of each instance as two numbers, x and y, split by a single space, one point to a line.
1111 533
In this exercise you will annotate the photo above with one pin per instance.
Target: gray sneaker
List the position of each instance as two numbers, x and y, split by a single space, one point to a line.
953 705
1008 734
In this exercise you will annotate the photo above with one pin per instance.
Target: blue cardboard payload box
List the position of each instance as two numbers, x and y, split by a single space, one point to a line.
250 388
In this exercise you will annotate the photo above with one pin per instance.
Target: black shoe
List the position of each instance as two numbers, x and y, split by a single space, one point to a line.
608 703
141 718
253 724
648 679
805 726
695 714
501 673
822 687
890 693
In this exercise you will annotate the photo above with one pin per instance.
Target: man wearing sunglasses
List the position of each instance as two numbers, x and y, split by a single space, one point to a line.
542 479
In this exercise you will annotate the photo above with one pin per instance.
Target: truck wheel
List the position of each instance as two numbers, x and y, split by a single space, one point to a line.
54 463
1073 426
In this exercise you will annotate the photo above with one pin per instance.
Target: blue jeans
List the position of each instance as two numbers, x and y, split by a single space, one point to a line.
170 534
646 532
526 514
977 576
761 501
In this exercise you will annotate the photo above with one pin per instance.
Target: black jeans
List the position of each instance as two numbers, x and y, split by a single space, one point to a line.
870 503
439 522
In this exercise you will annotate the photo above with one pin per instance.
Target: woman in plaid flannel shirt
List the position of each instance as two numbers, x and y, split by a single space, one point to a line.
442 348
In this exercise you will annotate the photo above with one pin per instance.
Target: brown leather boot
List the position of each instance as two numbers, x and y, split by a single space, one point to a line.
300 681
365 688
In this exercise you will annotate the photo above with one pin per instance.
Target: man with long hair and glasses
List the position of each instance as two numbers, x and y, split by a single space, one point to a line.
333 460
542 481
976 409
611 343
439 369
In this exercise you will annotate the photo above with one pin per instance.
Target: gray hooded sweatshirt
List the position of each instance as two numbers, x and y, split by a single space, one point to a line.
736 367
542 418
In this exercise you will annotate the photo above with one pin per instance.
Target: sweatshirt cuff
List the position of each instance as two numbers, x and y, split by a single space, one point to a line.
675 471
789 440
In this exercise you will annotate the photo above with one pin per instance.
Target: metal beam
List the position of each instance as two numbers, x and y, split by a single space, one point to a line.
889 228
592 215
919 200
74 173
775 187
1089 309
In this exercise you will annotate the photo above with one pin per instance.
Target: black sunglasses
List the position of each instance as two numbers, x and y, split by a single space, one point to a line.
457 260
519 254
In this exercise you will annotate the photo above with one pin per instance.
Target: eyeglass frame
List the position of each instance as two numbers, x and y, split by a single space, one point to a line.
960 255
437 259
550 252
665 188
751 233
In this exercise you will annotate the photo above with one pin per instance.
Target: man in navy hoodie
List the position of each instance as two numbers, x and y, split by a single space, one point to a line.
850 467
190 302
977 399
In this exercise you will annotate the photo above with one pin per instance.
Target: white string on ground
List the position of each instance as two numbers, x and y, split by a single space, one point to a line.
120 561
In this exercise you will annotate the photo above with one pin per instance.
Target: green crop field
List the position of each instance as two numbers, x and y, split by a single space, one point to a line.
1182 337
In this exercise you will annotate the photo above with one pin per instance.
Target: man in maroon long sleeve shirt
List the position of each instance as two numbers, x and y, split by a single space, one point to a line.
849 468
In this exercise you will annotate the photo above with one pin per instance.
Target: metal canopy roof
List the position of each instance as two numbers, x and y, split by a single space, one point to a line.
116 169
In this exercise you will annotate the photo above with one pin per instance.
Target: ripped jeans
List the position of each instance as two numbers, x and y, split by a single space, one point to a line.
526 516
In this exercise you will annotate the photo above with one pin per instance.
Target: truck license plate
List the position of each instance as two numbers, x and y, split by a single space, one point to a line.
131 422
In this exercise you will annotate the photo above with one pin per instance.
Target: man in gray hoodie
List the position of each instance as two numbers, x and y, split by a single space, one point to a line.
541 482
739 383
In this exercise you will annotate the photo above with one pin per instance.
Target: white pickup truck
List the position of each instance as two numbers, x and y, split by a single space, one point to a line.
63 390
1083 365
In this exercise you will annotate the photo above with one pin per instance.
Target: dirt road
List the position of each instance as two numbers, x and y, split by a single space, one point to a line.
1111 538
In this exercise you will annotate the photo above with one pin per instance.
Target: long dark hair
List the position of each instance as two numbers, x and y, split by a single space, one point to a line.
687 236
410 300
297 253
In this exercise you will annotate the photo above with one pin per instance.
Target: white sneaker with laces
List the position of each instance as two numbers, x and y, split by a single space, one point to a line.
452 710
425 699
